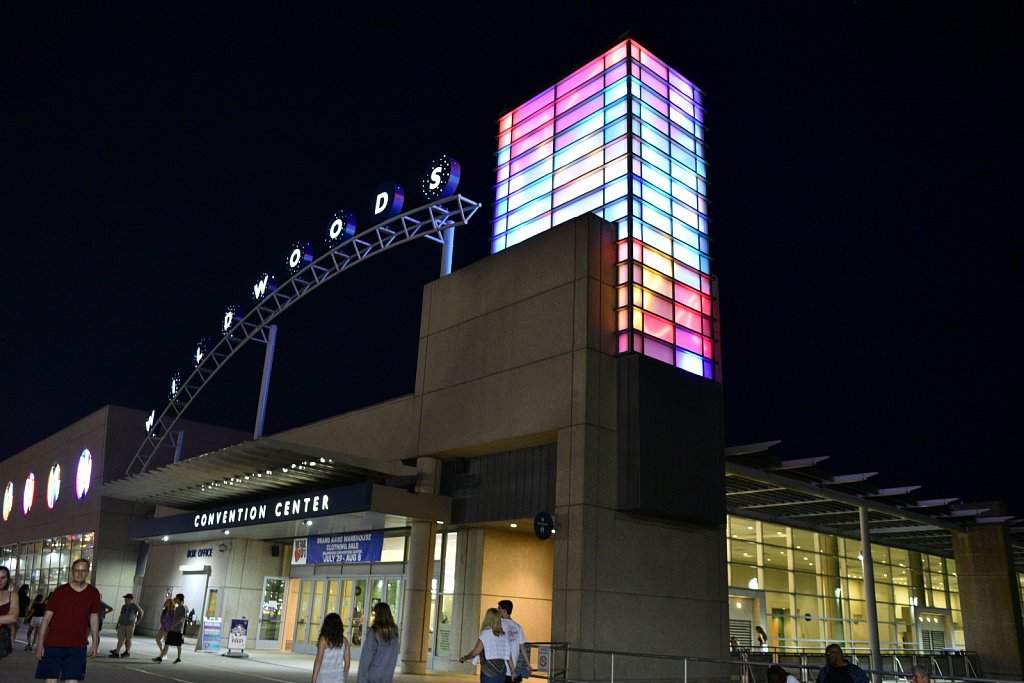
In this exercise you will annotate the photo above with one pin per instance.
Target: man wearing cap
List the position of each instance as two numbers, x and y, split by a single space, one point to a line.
130 616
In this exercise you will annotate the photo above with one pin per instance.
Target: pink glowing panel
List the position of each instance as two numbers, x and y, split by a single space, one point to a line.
535 138
659 350
581 76
688 318
655 83
616 54
564 107
533 123
687 340
542 100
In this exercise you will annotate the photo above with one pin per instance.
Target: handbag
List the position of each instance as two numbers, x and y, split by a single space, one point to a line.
491 667
5 642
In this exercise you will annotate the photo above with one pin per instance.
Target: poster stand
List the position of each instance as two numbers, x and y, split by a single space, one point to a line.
238 637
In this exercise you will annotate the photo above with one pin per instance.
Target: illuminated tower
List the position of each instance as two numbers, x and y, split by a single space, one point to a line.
623 137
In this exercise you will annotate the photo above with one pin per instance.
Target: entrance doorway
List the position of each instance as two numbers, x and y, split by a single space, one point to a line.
268 631
352 598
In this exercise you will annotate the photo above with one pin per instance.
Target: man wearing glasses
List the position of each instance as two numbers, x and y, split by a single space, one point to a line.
61 643
838 669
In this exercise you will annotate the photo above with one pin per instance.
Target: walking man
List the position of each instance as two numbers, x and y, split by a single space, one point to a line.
176 633
61 641
129 617
516 643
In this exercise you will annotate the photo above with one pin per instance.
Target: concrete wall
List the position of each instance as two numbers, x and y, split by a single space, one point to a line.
515 348
237 568
990 599
495 564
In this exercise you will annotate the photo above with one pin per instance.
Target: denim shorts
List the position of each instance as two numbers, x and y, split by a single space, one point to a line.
62 663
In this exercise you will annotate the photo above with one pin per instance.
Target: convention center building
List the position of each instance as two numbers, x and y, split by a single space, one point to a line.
563 448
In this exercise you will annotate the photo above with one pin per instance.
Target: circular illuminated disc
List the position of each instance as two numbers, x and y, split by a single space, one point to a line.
53 486
84 474
8 499
441 179
29 494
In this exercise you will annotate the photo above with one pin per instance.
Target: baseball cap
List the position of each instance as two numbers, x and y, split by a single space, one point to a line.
129 595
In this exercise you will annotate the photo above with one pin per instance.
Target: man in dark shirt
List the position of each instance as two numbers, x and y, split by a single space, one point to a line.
838 669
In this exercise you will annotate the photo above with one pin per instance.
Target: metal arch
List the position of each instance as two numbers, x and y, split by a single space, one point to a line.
429 221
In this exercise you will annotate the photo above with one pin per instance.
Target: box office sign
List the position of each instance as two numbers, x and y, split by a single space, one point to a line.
339 549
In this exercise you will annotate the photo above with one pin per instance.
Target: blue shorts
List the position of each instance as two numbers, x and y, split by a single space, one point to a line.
62 663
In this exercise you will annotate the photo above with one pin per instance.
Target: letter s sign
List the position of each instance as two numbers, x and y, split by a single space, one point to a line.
441 178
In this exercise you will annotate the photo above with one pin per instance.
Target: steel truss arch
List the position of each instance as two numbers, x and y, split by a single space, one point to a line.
431 221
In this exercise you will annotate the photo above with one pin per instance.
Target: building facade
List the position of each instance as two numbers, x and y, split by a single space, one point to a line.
563 448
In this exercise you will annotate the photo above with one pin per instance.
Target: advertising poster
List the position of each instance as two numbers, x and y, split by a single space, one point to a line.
342 548
239 634
212 628
299 551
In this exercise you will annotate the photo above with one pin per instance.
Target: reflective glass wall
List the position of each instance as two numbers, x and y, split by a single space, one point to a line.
806 589
46 563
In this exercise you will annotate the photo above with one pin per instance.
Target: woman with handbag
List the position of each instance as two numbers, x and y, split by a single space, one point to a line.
493 649
8 612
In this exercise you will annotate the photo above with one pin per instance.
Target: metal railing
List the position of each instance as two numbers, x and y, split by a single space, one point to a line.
562 663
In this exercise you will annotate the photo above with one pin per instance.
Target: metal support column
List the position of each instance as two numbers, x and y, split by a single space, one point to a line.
448 238
869 595
268 364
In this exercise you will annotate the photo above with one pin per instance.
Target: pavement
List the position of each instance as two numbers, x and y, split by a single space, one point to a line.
195 667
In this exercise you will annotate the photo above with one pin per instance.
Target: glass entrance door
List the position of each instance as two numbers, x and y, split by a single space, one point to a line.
310 614
352 598
268 631
359 595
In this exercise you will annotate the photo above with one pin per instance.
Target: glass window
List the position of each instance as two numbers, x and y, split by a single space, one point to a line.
740 575
743 552
806 583
774 534
776 579
804 540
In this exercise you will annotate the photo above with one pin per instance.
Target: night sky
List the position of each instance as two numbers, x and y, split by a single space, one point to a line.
864 164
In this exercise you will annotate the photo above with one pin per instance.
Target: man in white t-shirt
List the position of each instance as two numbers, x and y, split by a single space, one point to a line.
516 641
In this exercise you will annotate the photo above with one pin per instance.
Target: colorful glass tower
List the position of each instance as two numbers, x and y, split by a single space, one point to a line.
623 137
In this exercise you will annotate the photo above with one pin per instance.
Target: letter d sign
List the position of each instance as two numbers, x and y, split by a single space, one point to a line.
388 201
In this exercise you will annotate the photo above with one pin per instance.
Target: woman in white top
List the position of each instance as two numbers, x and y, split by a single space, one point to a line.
493 648
333 657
